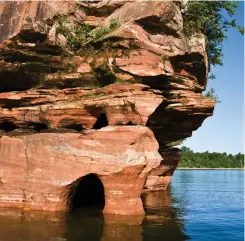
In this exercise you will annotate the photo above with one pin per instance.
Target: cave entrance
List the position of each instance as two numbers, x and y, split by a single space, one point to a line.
7 126
101 122
87 193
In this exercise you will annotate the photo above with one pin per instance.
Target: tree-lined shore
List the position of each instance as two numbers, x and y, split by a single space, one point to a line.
207 160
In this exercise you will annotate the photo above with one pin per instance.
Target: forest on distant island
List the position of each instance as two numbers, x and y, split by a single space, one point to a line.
206 159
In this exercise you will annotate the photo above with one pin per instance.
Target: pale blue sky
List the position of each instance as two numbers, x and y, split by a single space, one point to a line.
224 131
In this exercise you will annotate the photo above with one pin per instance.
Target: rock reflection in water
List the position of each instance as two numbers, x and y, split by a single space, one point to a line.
94 226
18 225
161 222
123 228
84 225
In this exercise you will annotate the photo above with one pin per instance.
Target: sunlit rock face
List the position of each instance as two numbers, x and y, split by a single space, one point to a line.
105 88
39 171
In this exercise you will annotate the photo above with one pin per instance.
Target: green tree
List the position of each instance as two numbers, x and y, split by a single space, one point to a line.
209 18
210 160
211 95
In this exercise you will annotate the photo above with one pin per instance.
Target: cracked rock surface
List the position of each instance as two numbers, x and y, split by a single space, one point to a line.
105 88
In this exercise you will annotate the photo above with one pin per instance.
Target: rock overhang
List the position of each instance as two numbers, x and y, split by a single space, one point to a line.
111 96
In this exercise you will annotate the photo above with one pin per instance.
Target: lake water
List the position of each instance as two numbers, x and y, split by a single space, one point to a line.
202 205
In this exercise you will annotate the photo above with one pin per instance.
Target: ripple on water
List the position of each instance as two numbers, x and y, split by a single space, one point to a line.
201 205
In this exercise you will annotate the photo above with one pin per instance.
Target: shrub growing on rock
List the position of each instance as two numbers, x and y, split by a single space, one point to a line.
209 18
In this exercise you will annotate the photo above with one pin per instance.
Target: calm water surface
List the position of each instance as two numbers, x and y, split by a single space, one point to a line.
202 205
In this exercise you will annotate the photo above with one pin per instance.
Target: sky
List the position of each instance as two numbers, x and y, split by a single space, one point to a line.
224 131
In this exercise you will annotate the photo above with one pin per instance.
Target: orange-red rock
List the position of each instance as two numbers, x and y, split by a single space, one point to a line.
159 178
105 88
46 165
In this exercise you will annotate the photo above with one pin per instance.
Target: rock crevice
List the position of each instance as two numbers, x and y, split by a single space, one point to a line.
107 88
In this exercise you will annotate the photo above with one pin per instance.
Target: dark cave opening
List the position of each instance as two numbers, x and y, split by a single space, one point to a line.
87 193
7 126
32 36
101 122
77 127
38 126
70 123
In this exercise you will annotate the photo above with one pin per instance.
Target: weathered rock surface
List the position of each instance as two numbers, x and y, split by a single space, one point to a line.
121 163
160 177
79 109
105 88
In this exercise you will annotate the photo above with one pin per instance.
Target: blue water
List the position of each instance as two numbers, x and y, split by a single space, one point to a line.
201 205
212 203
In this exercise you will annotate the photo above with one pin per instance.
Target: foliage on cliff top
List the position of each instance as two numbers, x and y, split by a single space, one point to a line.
209 18
80 35
211 95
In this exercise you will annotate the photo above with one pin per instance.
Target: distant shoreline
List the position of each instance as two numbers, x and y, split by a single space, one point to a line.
208 168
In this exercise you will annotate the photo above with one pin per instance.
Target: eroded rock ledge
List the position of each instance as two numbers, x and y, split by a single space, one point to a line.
106 88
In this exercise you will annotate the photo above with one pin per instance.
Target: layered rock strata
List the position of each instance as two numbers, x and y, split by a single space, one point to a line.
105 88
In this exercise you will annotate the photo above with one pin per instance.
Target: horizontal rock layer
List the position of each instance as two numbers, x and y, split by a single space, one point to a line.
104 88
122 164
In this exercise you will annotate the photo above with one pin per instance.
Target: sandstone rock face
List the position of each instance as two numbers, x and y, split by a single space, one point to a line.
160 177
121 163
100 90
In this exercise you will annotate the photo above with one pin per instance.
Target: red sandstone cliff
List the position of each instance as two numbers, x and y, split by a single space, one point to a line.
102 87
